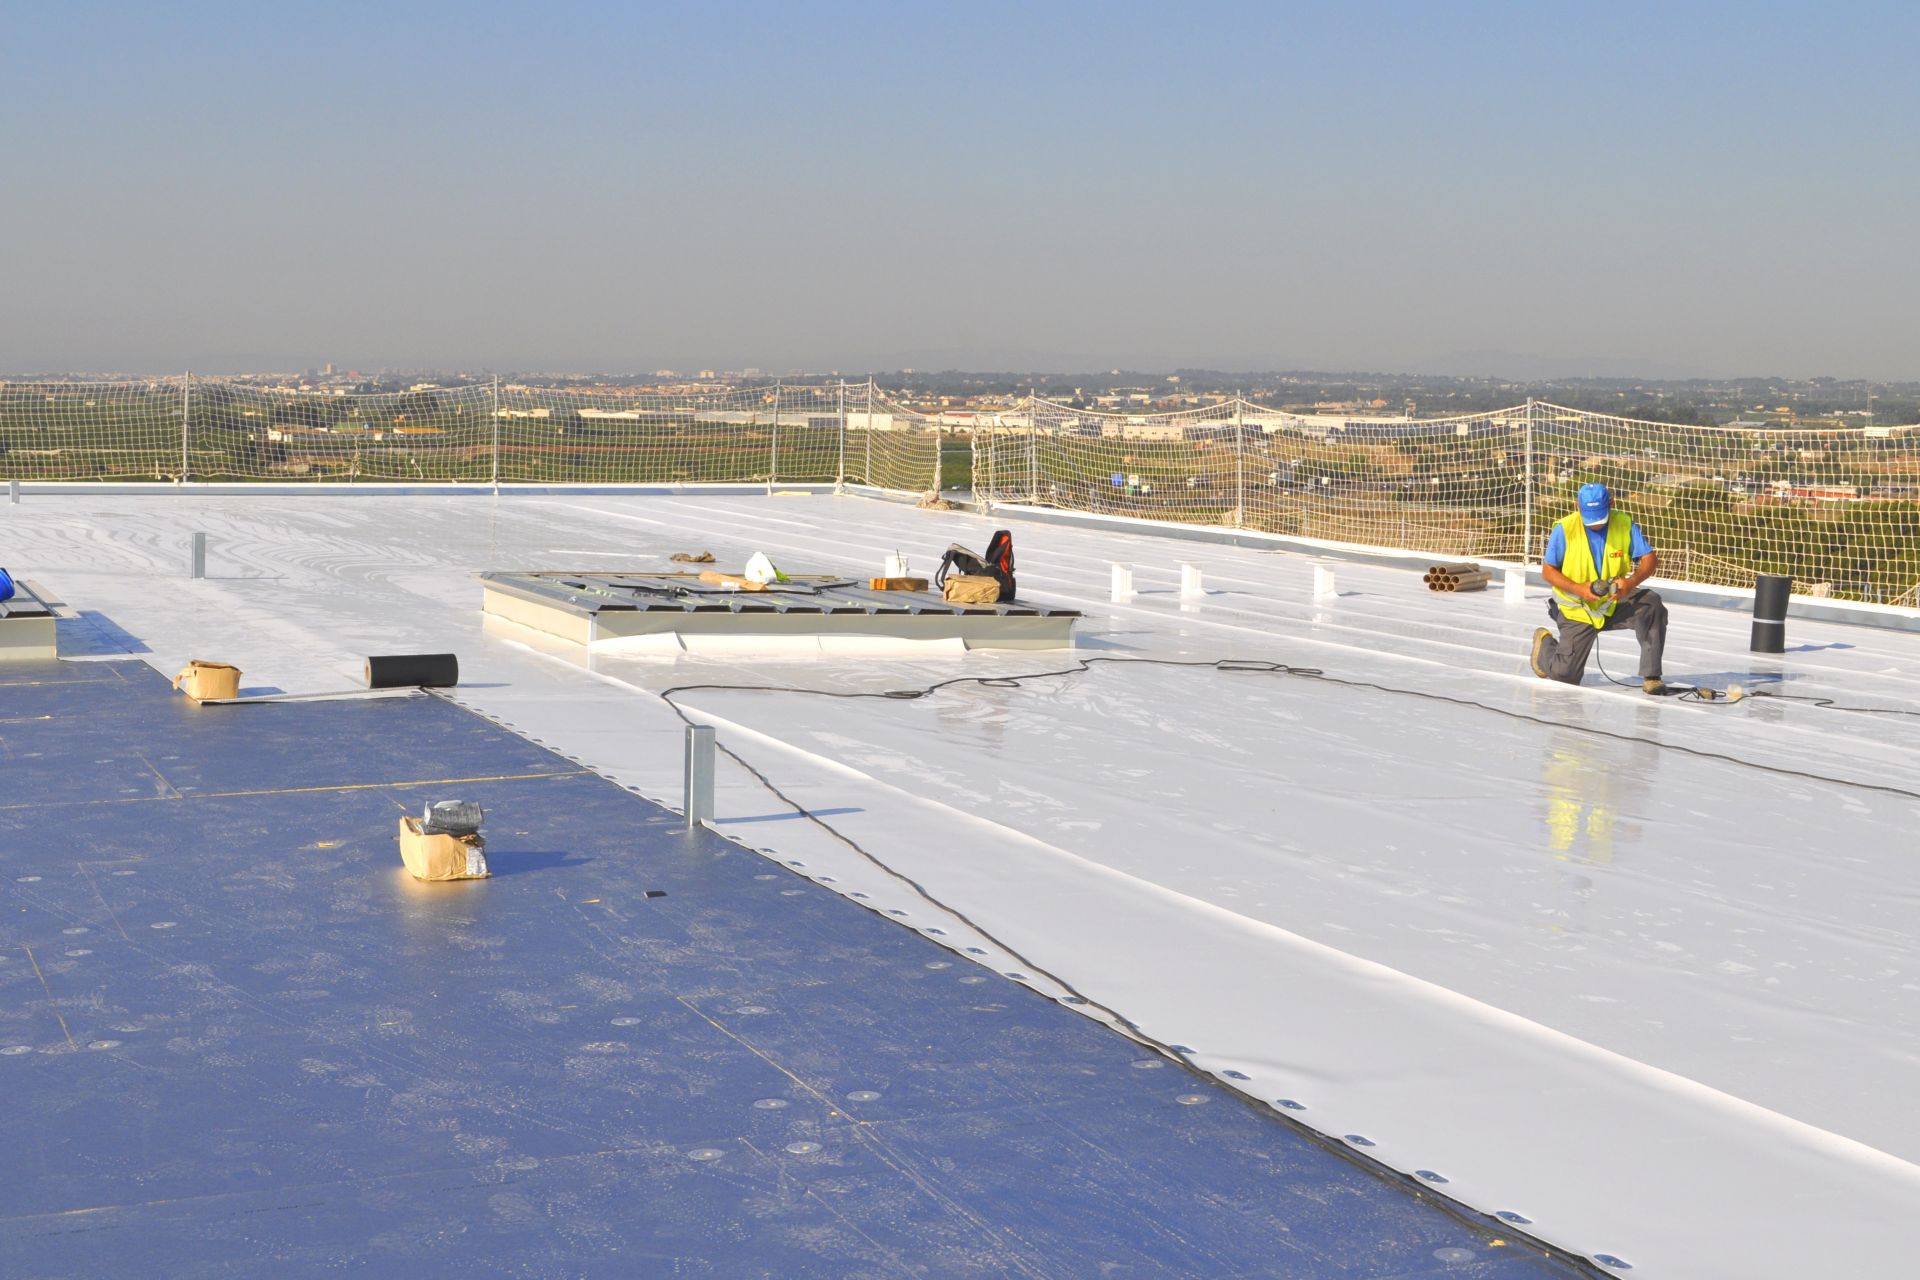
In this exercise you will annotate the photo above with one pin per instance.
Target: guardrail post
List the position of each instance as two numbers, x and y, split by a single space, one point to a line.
197 557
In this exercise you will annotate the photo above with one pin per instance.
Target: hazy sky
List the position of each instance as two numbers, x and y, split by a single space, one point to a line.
1523 188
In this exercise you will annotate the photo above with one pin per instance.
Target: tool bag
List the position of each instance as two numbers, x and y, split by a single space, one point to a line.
996 564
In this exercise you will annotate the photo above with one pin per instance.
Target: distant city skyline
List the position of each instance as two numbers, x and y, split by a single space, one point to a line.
1496 368
1481 189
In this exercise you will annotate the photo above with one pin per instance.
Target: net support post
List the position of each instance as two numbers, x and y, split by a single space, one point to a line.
1526 488
840 409
773 447
1770 593
1239 463
197 557
495 399
1033 448
186 426
698 795
13 493
983 466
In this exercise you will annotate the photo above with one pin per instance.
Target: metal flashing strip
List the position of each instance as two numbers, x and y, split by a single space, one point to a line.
592 606
28 630
442 489
601 593
24 604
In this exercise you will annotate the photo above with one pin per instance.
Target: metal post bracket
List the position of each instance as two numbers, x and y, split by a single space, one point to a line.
698 794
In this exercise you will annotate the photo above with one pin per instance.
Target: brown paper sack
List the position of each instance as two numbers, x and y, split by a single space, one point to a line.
971 589
202 680
441 857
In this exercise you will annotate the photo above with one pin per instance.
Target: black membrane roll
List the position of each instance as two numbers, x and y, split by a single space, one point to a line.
406 670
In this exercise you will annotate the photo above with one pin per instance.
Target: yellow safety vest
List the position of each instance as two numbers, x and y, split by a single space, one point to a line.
1578 565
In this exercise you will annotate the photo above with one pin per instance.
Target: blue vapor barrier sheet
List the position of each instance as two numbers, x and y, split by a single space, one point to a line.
237 1039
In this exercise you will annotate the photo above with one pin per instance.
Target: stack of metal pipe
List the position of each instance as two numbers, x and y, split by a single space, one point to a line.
1457 577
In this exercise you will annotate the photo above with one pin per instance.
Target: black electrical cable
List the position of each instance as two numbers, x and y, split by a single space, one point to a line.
1075 996
1264 666
1694 693
1682 692
1831 705
1126 1026
1120 1022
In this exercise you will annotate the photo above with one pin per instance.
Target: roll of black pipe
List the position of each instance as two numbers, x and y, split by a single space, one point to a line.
411 670
1770 592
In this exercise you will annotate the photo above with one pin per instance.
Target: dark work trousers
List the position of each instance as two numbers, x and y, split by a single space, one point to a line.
1645 612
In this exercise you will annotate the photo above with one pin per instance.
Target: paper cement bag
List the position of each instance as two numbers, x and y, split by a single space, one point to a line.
441 857
971 589
202 680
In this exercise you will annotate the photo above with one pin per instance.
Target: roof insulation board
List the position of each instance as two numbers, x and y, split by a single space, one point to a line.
1636 972
237 1038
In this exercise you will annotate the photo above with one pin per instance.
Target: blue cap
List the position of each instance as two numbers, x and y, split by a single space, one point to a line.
1596 504
6 586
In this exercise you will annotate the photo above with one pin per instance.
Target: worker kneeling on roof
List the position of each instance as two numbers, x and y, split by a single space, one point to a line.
1595 561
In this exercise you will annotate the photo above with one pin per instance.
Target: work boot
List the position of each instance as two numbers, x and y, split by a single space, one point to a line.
1541 638
1653 685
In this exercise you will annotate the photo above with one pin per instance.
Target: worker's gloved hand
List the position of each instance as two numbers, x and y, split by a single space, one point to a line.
1602 589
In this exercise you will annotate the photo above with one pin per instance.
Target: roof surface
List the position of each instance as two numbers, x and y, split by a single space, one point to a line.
1579 956
237 1037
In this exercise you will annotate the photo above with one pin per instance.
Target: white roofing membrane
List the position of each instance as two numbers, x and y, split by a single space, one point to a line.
1641 972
